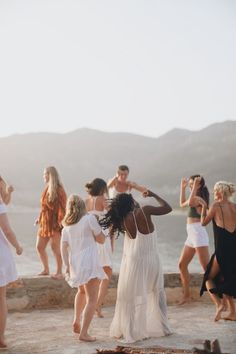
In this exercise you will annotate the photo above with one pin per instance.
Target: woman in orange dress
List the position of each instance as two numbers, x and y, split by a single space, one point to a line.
53 206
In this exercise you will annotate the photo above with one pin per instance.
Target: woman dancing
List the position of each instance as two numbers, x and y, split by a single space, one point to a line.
80 257
96 204
8 272
141 309
197 238
220 276
53 205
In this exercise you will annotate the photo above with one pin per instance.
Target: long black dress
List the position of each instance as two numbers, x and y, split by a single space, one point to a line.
225 253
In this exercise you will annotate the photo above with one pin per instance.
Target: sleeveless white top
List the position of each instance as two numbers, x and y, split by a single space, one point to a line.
141 309
104 250
8 271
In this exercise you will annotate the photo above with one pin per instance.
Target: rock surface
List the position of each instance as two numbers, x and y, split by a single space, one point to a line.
49 331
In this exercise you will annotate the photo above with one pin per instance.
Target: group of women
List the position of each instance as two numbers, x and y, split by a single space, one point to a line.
82 232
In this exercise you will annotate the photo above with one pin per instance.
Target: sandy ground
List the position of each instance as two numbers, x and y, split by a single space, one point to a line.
49 331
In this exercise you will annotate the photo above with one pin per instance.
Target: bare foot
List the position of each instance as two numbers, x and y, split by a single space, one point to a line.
218 312
185 300
76 327
87 338
57 276
99 313
230 317
44 272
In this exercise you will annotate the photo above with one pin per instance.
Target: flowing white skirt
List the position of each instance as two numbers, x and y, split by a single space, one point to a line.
141 310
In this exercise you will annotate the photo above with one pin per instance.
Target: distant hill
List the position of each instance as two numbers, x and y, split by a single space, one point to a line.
84 154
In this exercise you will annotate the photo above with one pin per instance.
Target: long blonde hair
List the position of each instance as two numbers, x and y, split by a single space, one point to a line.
53 183
226 188
75 209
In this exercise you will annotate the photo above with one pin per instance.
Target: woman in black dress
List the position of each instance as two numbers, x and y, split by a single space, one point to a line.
220 276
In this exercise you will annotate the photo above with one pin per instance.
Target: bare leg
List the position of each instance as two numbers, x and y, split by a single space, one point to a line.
3 315
185 258
203 256
91 290
103 290
41 245
55 245
79 305
232 312
210 284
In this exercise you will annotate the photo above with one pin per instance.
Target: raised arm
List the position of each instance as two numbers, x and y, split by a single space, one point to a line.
112 182
9 233
193 200
136 186
163 209
183 202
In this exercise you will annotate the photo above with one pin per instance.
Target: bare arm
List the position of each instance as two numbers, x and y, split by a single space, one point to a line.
207 216
111 183
136 186
9 233
65 255
163 209
183 202
193 200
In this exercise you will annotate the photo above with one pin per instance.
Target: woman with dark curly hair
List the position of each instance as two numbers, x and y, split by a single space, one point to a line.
141 310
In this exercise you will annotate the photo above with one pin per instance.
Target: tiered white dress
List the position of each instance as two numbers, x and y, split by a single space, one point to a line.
141 309
104 250
8 271
83 253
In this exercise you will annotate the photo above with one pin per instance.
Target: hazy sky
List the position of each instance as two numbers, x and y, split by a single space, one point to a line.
126 65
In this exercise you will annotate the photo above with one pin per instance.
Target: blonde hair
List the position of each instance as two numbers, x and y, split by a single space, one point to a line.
53 183
75 209
226 188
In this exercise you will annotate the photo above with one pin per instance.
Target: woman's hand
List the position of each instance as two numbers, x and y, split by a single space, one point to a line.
147 193
19 250
184 182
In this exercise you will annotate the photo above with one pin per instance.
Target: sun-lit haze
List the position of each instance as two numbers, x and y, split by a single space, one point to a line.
127 65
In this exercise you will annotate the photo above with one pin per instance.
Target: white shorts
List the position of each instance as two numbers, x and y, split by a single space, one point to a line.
197 235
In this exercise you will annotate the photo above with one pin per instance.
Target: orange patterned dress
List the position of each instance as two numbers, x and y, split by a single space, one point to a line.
52 214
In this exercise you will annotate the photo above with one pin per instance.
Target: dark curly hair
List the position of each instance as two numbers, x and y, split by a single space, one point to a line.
203 191
97 187
119 208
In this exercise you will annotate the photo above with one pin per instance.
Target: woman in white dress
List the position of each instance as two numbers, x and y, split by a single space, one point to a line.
96 204
8 272
141 310
79 251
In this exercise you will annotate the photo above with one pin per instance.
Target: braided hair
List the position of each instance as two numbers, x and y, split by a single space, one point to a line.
119 208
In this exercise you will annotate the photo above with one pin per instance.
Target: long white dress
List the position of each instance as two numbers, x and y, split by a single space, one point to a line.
104 250
8 271
141 310
83 253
